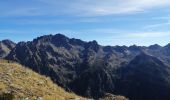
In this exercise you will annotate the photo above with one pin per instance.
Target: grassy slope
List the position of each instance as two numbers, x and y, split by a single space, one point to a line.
24 83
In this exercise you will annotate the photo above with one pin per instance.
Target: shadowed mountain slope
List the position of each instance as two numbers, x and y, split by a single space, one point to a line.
145 78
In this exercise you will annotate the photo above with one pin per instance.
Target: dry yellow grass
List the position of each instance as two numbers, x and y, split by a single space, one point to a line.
23 83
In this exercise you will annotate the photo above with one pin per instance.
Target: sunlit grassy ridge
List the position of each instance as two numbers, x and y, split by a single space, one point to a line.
23 83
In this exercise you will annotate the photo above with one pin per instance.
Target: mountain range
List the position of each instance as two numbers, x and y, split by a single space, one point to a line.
92 70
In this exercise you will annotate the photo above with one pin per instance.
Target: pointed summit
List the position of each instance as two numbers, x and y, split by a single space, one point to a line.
59 35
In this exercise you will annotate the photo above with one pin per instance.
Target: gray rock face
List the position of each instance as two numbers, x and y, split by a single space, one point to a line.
92 70
5 47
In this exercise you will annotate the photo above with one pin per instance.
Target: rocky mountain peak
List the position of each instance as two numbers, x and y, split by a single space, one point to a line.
155 47
168 45
136 48
144 58
93 45
60 36
8 43
5 47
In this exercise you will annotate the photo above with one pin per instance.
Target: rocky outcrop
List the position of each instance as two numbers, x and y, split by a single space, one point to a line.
5 47
109 96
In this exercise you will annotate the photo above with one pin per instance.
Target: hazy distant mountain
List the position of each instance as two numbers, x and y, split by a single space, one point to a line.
92 70
5 47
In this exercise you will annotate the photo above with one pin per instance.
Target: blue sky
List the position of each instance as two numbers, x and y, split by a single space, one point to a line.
110 22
